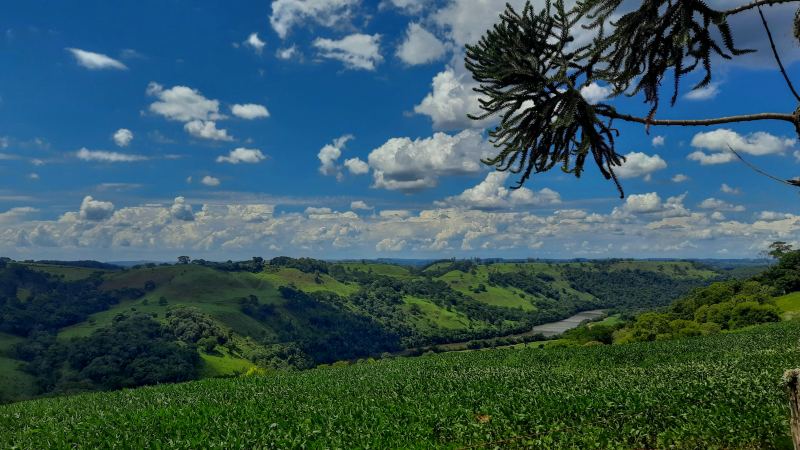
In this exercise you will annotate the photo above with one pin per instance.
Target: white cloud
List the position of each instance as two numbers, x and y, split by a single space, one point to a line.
467 20
718 216
707 159
95 61
492 193
182 103
106 156
390 245
16 214
450 101
420 46
720 205
679 178
123 137
95 210
287 14
643 203
639 164
406 165
356 51
254 42
408 6
356 166
706 93
659 141
286 53
206 129
181 210
729 190
770 216
594 93
758 144
33 176
210 181
359 204
329 156
242 155
250 111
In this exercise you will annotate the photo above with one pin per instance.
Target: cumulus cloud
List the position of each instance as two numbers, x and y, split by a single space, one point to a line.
390 245
356 51
255 43
182 103
242 155
467 20
85 154
757 144
659 141
95 210
123 137
286 14
329 156
420 46
643 203
720 205
594 93
95 61
356 166
237 230
729 190
210 181
250 111
17 214
450 101
705 93
206 129
639 164
180 210
359 204
492 193
410 165
408 6
679 178
286 53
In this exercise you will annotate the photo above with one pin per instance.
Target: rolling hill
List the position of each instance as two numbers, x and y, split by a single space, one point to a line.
298 313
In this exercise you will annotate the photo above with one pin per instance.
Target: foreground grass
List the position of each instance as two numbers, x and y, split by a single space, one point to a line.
714 392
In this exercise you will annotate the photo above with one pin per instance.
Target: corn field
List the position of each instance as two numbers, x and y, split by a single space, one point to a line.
721 392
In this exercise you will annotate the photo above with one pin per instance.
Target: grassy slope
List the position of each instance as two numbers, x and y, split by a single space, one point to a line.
14 383
713 392
789 304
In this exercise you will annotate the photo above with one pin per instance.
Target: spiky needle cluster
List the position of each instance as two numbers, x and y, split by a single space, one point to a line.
531 73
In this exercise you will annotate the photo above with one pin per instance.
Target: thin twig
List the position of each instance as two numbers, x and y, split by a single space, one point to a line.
700 122
760 171
756 4
777 56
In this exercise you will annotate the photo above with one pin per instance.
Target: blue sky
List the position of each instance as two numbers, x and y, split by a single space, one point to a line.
337 129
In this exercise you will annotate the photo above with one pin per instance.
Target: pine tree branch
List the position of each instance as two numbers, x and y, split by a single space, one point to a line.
756 4
701 122
777 56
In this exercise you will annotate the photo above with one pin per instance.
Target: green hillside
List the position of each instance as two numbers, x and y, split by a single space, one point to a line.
299 313
717 391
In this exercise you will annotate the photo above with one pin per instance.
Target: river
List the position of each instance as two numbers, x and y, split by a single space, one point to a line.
555 328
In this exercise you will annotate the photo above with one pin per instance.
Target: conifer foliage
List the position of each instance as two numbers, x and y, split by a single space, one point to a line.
531 70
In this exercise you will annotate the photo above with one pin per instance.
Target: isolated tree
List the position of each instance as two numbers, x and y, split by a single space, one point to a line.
531 72
779 248
183 259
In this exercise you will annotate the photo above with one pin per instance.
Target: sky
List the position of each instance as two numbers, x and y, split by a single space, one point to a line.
338 129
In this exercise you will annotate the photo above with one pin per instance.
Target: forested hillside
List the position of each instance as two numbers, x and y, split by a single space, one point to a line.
62 325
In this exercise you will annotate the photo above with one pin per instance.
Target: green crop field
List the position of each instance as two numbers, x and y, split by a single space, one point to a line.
720 391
